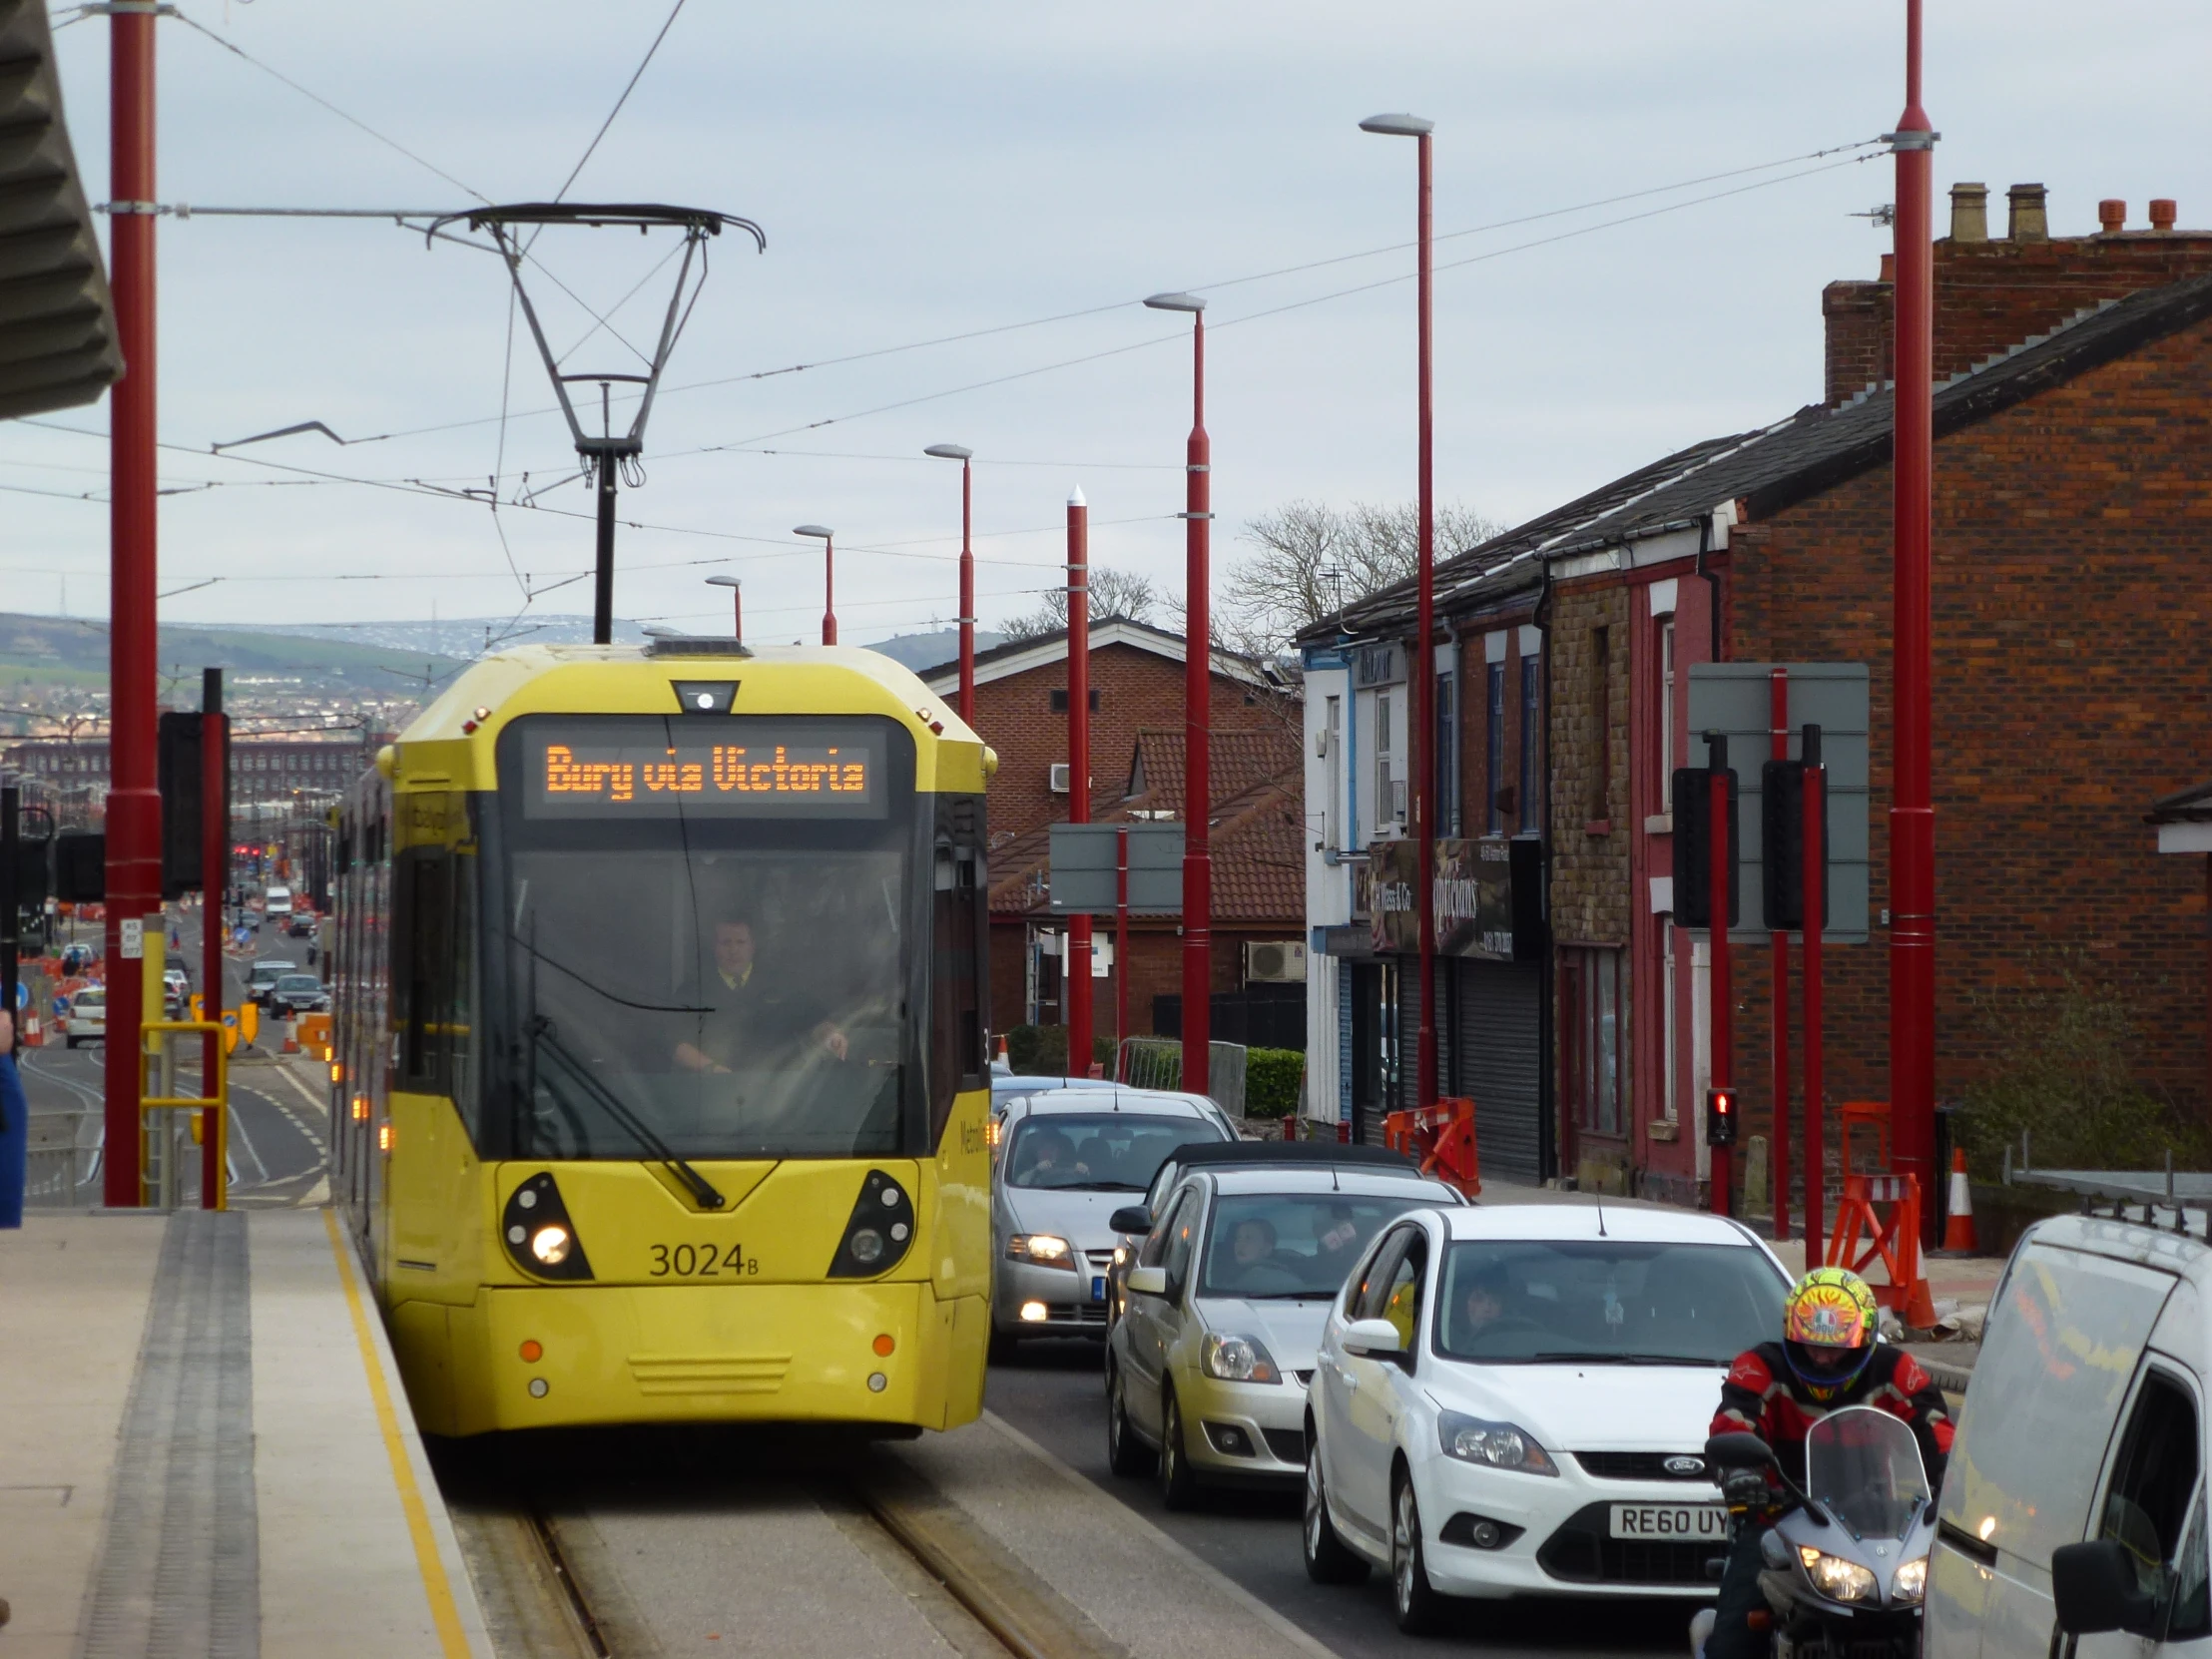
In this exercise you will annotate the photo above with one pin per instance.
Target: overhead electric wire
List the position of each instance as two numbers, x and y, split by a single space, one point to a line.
629 87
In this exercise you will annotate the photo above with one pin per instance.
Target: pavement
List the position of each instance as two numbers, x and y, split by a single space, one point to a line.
211 1451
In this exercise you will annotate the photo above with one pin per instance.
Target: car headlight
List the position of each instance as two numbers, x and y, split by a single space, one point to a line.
1044 1249
1911 1582
1497 1445
1237 1359
1837 1578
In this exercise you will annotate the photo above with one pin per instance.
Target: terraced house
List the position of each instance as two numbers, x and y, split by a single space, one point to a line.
2072 551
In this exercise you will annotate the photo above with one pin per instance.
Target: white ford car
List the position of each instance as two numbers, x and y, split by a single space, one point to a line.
1514 1401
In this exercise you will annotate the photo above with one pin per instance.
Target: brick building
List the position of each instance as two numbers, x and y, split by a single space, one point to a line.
262 770
2072 536
1136 676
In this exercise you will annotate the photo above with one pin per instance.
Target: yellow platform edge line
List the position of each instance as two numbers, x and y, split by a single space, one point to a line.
436 1586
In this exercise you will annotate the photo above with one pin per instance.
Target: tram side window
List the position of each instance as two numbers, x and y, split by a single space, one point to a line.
956 1028
431 916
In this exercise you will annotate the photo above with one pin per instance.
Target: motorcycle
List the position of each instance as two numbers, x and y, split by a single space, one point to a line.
1844 1565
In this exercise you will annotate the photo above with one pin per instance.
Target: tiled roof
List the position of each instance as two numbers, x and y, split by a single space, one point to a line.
1258 830
2190 805
1776 466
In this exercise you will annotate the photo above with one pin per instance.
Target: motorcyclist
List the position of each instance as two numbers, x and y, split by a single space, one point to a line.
1828 1359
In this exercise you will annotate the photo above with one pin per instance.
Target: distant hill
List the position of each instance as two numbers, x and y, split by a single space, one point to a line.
921 651
76 650
449 635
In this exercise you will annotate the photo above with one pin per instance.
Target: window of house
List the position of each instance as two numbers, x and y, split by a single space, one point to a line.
1594 1006
1446 769
1602 704
1384 813
1334 809
1060 700
1493 748
1667 761
1669 1088
1530 797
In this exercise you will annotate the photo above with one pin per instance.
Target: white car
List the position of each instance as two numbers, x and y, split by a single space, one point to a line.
1061 1164
1208 1367
87 1017
1514 1401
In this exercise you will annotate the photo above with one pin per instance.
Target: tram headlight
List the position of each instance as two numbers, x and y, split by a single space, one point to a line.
868 1247
880 1231
540 1235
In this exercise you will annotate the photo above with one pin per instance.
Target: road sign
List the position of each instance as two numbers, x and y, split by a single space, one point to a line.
1735 698
1085 857
134 939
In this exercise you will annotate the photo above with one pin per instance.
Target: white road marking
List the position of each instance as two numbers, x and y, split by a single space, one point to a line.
321 1106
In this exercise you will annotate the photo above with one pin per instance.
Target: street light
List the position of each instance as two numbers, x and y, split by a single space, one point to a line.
823 534
1198 693
954 453
737 604
1422 669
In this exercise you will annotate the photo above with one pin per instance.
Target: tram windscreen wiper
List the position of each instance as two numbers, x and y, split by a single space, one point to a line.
541 1033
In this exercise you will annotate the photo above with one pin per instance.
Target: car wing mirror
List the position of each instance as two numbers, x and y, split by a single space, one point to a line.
2093 1589
1148 1281
1131 1218
1374 1340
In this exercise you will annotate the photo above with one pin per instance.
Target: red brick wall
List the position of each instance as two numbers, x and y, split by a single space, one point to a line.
2073 684
1991 296
1137 689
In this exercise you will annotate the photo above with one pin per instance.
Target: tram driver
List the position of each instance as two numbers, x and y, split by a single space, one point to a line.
753 1016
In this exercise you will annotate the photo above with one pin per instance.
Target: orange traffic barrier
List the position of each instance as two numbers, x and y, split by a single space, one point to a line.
1959 1234
1895 1242
1441 1140
314 1034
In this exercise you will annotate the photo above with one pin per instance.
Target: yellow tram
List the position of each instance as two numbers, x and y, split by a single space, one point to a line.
661 1078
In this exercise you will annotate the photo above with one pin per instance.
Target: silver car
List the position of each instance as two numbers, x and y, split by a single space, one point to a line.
1207 1369
1063 1163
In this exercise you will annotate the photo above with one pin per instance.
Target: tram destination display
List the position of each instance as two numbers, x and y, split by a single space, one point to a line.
624 769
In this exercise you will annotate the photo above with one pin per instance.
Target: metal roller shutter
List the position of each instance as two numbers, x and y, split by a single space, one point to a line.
1498 1034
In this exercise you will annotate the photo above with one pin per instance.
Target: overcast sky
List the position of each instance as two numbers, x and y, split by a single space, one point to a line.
923 172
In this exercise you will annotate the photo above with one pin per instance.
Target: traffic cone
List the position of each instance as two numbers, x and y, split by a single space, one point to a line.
1002 1062
292 1040
1958 1238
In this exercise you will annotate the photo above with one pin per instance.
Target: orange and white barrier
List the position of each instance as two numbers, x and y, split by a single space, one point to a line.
1895 1242
1441 1139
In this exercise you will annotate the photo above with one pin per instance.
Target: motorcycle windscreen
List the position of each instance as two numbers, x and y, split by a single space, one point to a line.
1864 1467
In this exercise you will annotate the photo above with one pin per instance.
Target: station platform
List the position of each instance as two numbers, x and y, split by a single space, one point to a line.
206 1449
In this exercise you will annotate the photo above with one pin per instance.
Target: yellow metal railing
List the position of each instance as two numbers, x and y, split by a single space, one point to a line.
159 1058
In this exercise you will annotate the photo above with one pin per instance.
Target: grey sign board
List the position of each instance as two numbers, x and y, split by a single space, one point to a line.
1736 699
1085 857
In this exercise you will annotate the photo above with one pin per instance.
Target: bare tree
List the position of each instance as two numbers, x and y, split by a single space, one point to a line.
1311 559
1119 593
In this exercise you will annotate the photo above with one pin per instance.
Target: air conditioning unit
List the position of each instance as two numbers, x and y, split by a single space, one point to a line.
1059 784
1276 964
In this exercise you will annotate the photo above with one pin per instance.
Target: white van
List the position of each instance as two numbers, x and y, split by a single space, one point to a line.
2075 1493
277 902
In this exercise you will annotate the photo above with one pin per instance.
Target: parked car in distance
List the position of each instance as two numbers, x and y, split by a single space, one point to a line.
1514 1399
87 1017
1061 1163
1207 1370
2074 1513
177 992
299 993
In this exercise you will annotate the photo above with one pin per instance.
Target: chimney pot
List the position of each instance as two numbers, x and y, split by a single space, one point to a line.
1969 213
2111 217
1889 268
2163 212
2030 220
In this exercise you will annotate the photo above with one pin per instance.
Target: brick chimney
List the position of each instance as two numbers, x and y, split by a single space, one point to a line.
1991 295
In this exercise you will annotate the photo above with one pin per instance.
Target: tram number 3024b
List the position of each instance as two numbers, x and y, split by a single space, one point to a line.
707 1261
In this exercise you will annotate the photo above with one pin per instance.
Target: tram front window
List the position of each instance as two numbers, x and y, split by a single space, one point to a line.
704 975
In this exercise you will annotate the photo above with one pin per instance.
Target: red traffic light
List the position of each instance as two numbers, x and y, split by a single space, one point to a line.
1720 1117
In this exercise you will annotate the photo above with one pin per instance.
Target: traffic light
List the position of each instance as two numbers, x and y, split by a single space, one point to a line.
33 874
1720 1117
80 866
1782 829
1693 848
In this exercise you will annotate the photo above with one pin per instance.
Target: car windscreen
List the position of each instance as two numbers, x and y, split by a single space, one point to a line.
1113 1152
300 982
1601 1300
1292 1246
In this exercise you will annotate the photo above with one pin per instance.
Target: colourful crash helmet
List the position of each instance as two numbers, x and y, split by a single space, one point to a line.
1829 1326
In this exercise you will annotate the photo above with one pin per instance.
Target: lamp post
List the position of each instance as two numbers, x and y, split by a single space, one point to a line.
954 453
1198 696
1422 669
823 534
737 604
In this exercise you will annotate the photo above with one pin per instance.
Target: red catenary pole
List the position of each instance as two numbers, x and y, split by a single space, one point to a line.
134 816
215 866
1076 966
1777 733
1816 921
1913 811
1121 943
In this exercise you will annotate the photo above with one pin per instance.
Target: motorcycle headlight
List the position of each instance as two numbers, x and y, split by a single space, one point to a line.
1237 1359
1044 1249
1911 1582
1837 1578
1499 1446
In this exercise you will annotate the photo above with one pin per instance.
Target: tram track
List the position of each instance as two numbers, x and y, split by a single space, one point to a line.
559 1555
